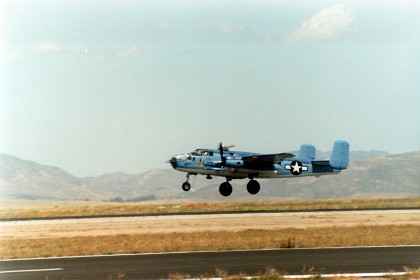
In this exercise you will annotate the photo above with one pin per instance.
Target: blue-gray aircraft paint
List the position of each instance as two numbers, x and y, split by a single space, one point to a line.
241 165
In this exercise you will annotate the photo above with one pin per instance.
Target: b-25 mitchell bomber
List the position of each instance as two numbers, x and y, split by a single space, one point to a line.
240 165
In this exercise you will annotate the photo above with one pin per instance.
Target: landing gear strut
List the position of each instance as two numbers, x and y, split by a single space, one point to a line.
186 186
225 188
253 187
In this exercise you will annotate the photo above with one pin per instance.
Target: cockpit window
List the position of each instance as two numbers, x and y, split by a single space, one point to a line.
197 152
183 157
201 152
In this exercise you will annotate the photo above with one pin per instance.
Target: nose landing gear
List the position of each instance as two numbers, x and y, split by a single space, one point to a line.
186 186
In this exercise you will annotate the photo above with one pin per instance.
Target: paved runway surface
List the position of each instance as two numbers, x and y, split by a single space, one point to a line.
158 266
203 223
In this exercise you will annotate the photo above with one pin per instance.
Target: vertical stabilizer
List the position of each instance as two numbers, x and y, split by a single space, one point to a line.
307 153
340 155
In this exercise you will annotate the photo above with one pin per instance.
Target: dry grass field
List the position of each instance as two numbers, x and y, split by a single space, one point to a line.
203 241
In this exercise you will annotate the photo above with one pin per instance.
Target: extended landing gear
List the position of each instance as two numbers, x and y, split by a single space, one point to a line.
225 189
186 186
253 187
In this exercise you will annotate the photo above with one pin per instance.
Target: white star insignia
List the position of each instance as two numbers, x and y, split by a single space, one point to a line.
296 167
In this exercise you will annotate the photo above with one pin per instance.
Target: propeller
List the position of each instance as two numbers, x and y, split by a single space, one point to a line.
221 149
222 159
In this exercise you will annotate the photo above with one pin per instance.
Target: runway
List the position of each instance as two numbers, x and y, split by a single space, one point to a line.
159 266
204 223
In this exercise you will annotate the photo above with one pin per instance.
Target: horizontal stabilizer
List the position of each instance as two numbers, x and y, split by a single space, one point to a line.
321 162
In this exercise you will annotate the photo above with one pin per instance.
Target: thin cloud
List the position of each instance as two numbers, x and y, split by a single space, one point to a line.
269 38
133 50
48 47
163 26
225 28
329 23
230 28
17 51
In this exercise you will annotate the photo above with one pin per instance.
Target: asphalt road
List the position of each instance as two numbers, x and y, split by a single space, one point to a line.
158 266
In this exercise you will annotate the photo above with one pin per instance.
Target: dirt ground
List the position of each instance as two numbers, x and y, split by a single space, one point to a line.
203 223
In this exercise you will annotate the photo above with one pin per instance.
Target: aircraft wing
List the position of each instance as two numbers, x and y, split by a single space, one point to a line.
268 158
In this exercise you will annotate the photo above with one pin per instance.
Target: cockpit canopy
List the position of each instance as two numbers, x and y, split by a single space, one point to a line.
202 152
183 157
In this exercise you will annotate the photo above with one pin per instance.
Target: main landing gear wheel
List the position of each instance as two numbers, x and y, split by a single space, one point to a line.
186 186
225 189
253 187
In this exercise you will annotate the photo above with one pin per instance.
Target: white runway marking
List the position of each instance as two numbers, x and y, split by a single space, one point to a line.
378 274
30 270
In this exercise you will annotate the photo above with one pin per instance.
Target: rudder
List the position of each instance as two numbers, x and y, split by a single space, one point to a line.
340 155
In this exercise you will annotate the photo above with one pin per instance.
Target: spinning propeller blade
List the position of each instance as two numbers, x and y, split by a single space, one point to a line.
222 162
221 149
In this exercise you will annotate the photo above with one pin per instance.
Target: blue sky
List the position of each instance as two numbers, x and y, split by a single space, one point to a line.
103 86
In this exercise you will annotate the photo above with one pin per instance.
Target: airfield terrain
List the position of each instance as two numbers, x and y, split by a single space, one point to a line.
205 223
216 239
214 230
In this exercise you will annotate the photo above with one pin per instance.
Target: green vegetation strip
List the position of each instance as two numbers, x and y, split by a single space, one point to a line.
51 209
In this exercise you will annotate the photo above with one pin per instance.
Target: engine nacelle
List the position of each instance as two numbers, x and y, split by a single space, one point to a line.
234 163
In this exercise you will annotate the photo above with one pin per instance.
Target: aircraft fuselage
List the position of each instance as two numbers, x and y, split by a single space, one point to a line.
241 165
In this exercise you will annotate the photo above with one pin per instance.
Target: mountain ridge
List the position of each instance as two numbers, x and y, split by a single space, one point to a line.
369 175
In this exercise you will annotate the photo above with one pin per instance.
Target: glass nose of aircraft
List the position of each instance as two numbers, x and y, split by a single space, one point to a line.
174 160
